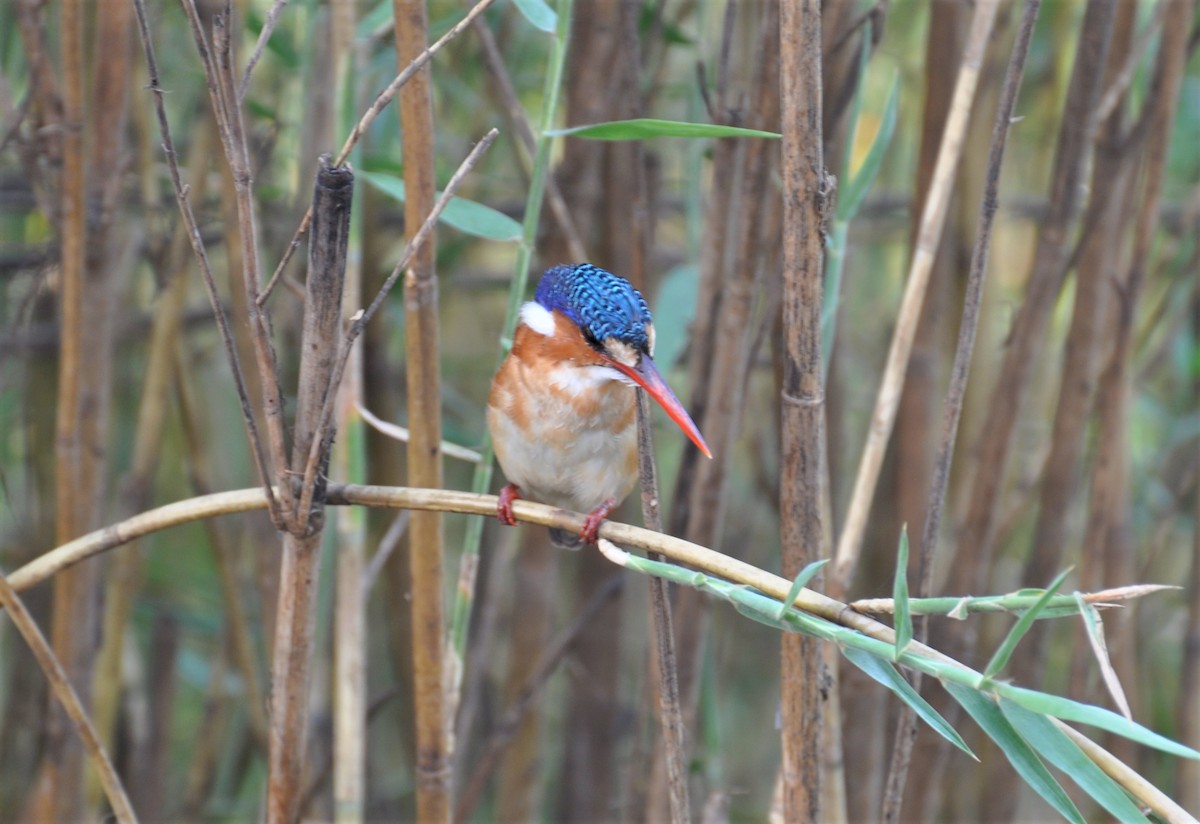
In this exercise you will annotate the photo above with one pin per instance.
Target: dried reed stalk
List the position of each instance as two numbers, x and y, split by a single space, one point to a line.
433 763
802 462
60 683
296 614
933 220
58 794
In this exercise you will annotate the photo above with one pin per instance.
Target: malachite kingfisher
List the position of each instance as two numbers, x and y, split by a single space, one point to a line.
562 409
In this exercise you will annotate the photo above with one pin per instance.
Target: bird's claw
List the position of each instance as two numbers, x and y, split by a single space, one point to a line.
504 510
591 524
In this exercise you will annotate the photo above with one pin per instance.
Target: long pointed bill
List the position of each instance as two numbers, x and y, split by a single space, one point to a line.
647 376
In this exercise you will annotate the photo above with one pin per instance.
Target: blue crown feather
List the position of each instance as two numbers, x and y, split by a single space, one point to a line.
601 304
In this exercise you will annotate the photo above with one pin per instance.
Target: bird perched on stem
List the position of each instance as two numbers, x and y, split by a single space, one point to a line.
562 408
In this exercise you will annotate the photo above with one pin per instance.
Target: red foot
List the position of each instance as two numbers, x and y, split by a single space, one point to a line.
504 512
591 526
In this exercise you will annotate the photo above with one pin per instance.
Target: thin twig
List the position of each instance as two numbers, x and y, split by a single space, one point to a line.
669 709
263 37
401 434
198 248
363 317
1115 91
364 123
67 696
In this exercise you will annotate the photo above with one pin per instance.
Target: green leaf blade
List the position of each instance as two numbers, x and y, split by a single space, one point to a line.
904 625
799 583
883 672
1005 650
644 128
1024 760
861 181
539 15
467 216
1053 745
1066 709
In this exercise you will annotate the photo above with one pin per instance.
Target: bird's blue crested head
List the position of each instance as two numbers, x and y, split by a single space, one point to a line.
603 305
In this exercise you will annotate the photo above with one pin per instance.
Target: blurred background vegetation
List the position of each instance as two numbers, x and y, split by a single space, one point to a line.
170 636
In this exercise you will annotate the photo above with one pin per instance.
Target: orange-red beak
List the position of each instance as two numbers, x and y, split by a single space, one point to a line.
647 376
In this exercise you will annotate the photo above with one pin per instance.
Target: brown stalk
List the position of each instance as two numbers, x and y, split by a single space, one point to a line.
510 722
296 616
219 71
663 641
433 763
59 792
364 123
933 219
802 473
60 683
197 243
906 726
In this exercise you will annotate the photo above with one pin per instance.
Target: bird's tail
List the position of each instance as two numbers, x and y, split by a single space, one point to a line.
565 539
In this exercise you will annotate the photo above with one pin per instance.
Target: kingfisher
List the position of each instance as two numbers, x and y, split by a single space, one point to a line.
562 408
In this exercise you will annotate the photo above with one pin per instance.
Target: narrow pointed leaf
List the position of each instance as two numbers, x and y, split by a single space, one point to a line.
903 622
465 215
1068 710
886 674
801 581
645 127
1024 760
851 198
1005 651
1053 745
1094 626
539 15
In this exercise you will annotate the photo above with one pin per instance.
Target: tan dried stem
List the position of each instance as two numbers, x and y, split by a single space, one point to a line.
933 219
806 207
67 696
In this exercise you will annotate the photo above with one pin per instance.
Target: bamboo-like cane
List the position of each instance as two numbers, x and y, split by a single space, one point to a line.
802 463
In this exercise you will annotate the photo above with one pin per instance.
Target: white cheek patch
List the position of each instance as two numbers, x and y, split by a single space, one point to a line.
538 318
577 380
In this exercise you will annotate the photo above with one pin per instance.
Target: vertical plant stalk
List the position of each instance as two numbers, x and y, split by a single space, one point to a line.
663 641
805 208
933 219
469 565
296 614
906 725
59 791
425 424
60 683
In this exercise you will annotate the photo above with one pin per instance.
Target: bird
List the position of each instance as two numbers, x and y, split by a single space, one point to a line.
562 408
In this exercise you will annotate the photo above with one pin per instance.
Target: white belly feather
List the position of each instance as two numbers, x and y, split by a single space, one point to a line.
562 458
